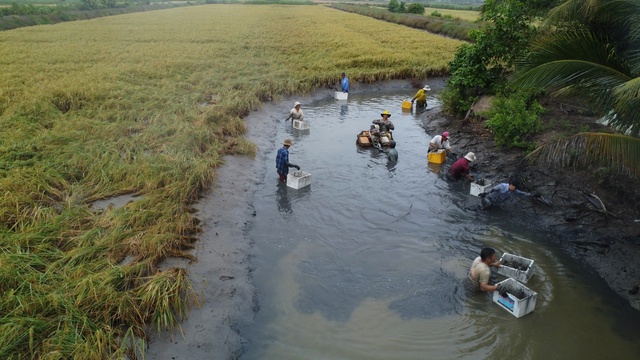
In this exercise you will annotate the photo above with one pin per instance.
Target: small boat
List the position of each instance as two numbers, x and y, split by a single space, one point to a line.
377 139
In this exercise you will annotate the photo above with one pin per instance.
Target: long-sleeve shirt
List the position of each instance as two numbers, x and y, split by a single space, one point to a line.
384 125
296 114
345 84
501 193
282 161
421 96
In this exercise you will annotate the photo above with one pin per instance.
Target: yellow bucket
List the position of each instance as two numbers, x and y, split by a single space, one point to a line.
406 105
437 157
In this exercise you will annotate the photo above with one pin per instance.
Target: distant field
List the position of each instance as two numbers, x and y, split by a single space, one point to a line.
467 15
147 104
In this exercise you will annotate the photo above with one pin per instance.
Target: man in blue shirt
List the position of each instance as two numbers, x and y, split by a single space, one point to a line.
502 192
282 161
344 83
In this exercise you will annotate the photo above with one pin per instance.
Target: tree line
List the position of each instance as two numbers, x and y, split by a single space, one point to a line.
22 9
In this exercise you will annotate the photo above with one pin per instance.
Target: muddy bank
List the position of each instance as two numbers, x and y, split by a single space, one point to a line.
222 274
591 214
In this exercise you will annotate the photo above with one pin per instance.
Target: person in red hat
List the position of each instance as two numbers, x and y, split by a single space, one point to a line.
440 142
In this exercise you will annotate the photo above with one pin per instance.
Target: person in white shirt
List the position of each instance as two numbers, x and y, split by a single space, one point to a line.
295 113
440 142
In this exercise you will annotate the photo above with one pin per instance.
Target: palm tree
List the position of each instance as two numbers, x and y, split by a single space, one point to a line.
615 151
590 49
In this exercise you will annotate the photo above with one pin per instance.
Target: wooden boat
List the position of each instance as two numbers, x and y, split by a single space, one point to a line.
364 139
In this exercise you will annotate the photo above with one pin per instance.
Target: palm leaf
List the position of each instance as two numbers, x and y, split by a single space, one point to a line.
566 58
571 10
619 152
581 64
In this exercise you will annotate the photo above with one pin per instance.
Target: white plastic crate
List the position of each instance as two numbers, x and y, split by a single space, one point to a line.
300 125
298 179
516 267
479 186
519 299
341 95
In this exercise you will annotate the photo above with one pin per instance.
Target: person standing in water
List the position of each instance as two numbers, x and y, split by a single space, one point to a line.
344 83
295 113
282 160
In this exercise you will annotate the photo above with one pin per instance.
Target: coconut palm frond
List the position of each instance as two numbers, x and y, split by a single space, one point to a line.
575 44
575 64
563 73
575 79
622 12
627 117
634 59
571 10
612 150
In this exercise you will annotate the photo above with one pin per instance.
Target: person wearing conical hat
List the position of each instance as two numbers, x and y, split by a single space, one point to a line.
384 123
421 97
282 160
295 113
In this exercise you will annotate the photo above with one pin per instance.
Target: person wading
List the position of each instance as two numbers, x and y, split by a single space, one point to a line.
479 273
344 83
295 113
282 161
440 142
392 153
421 97
384 123
460 168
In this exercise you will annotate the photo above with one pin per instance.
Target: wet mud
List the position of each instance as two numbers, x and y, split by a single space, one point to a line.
592 214
608 241
516 265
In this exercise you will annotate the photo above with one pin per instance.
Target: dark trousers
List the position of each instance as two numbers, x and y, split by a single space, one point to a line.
486 203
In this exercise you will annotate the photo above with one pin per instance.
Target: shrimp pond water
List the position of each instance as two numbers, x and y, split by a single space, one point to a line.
370 260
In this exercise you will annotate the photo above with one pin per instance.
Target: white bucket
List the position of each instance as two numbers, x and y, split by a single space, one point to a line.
341 95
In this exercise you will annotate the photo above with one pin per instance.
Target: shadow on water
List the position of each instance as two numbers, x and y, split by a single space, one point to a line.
370 260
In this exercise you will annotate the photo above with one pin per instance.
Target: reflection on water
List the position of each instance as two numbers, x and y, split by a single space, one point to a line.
284 204
369 261
344 111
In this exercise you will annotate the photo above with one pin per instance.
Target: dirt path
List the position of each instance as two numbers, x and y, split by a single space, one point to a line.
222 274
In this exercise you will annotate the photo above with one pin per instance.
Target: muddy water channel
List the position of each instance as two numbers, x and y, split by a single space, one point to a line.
369 261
